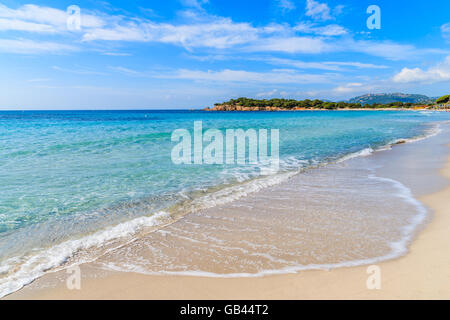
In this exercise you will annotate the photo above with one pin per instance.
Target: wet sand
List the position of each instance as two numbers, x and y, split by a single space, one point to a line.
423 273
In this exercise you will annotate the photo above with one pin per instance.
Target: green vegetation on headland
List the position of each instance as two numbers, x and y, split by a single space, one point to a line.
246 104
444 99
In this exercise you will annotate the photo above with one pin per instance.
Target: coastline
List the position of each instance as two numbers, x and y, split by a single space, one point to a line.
312 109
421 274
249 104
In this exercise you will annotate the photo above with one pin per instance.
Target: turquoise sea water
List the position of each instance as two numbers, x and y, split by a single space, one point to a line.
64 175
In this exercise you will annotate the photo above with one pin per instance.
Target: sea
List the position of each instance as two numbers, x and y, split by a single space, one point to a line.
83 186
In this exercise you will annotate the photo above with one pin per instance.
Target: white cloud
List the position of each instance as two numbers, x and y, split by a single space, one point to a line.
328 30
325 65
33 18
30 12
358 65
385 49
78 70
292 45
227 75
129 32
116 54
39 80
194 3
198 29
20 25
221 33
338 10
438 73
445 29
126 71
286 5
349 88
24 46
207 31
267 94
317 10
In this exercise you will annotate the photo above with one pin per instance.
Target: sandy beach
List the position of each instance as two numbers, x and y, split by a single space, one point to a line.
423 273
225 150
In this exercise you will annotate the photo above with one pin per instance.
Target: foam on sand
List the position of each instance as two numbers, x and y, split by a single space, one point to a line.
15 275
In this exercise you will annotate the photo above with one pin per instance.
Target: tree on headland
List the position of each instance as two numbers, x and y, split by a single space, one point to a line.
291 104
444 99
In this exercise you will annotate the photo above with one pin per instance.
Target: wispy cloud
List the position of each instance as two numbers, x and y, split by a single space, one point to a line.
126 71
445 29
34 18
328 30
227 75
221 33
39 80
292 45
317 10
286 5
116 54
199 30
384 49
325 65
349 88
78 70
206 31
20 25
338 10
24 46
270 93
194 3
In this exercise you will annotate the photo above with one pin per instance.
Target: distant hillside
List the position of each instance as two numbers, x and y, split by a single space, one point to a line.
384 98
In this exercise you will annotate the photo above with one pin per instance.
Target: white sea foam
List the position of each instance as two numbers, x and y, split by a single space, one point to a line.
236 192
435 130
37 264
398 248
408 231
363 153
51 258
48 259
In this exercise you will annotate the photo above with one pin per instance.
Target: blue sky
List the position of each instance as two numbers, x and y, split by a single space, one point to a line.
192 53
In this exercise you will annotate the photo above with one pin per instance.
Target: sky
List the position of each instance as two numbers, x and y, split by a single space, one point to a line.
182 54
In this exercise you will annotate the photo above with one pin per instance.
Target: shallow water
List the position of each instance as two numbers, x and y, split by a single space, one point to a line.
66 176
338 215
356 212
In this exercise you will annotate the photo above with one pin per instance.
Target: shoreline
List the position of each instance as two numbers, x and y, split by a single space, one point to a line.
422 274
406 277
251 184
342 109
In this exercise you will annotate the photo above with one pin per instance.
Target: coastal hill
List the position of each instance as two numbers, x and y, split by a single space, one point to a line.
385 98
443 99
246 104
